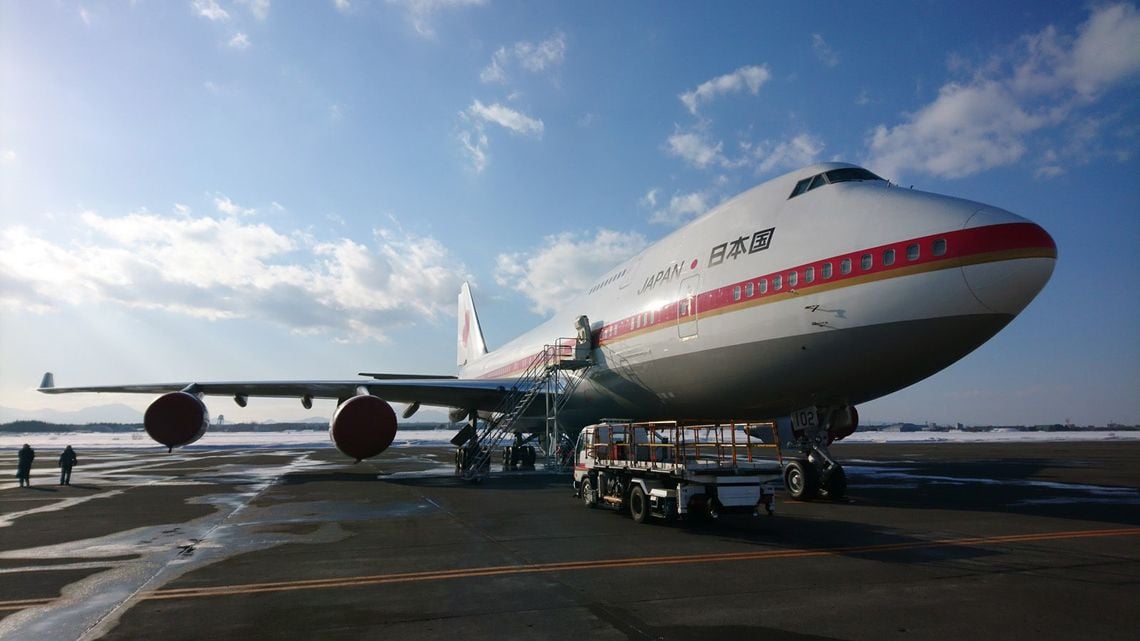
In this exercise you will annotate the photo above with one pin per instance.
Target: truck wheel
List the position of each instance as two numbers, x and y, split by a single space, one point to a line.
836 487
589 494
802 480
638 504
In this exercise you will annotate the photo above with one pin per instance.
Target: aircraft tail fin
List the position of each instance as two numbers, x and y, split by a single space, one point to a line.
470 343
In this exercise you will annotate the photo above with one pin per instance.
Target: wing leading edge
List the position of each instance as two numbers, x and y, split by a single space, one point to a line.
479 394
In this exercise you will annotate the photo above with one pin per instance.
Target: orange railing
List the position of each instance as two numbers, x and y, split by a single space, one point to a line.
658 443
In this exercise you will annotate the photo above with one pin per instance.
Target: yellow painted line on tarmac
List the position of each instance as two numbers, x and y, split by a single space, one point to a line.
600 564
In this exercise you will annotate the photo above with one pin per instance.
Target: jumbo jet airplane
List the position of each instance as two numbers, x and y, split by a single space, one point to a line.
804 296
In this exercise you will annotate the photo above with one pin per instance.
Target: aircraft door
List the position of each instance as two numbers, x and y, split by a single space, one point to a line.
687 312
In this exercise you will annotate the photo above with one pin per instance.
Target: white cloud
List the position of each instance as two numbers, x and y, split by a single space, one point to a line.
85 16
230 208
342 5
210 9
967 129
182 210
475 143
420 11
681 209
693 148
533 57
506 118
8 155
801 150
259 8
473 137
745 78
565 265
239 41
223 268
650 198
1105 51
985 122
823 51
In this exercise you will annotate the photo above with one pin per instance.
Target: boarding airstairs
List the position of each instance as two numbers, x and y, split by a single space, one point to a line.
555 373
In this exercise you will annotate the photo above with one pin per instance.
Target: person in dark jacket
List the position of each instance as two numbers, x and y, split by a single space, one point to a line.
24 466
67 460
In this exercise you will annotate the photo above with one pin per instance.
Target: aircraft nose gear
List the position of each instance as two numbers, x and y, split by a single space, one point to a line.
815 474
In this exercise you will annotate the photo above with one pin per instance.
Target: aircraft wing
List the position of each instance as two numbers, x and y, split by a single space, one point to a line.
481 394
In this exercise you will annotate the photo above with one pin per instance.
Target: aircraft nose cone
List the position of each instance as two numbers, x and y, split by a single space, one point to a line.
1017 260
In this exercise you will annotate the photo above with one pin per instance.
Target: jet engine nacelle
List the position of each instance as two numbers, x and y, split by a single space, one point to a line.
844 422
363 427
176 419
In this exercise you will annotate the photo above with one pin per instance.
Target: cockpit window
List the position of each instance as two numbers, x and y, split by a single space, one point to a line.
849 173
801 187
846 174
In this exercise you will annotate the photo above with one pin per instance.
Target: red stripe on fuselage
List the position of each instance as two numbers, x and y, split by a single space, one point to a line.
964 247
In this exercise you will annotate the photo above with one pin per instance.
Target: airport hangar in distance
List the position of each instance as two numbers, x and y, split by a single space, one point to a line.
808 294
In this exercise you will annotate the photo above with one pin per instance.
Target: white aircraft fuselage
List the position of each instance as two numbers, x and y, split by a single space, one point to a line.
769 303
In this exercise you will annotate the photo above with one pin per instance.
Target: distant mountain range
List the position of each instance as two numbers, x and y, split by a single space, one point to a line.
114 413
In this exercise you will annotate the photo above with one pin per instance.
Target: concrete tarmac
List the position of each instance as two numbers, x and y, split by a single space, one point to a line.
937 541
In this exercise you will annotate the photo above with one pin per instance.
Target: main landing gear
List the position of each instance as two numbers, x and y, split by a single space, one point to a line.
814 474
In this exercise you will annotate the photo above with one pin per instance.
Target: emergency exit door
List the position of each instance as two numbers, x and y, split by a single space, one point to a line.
687 312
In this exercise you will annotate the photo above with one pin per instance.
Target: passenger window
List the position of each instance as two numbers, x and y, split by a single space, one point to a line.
888 257
826 271
866 262
736 293
748 290
793 279
940 247
912 251
845 266
809 275
777 282
763 285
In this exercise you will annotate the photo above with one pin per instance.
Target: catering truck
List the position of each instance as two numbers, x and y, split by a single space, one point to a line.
673 470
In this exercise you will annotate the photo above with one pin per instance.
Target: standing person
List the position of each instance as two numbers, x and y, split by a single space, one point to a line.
24 467
67 460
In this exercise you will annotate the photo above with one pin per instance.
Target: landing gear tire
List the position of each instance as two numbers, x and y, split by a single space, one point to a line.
802 480
638 505
589 494
836 487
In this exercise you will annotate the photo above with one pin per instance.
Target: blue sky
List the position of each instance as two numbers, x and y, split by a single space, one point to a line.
223 189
